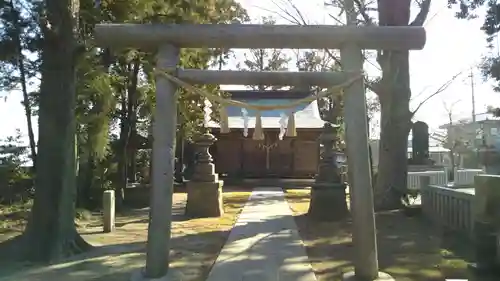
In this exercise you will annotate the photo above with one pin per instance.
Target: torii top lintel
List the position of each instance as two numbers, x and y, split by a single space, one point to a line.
260 36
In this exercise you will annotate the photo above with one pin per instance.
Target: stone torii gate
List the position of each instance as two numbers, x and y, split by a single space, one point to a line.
167 39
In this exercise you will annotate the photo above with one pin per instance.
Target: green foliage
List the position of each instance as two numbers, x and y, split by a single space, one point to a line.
19 42
467 9
12 152
115 88
119 71
331 107
13 172
19 51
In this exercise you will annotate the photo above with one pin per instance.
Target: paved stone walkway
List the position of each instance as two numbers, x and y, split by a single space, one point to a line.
264 244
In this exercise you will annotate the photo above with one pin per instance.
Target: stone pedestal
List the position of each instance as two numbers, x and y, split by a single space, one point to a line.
328 202
328 197
486 223
204 199
205 189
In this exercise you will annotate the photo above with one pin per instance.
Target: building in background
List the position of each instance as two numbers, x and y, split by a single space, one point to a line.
483 131
465 137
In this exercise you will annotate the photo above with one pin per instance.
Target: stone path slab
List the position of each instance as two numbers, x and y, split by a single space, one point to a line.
264 244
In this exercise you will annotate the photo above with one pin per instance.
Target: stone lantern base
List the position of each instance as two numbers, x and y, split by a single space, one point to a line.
328 202
204 199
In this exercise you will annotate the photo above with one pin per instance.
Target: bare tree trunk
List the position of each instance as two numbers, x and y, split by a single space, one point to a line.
132 116
393 162
452 163
394 93
51 232
127 130
122 157
27 108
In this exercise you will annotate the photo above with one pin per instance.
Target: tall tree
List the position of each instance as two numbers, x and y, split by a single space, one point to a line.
392 89
131 83
51 233
394 93
126 73
85 91
330 107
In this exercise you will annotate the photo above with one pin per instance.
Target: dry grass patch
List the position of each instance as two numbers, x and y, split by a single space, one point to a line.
195 245
13 219
408 248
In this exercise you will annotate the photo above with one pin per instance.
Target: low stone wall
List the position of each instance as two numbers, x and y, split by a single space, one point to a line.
472 211
424 168
466 177
451 208
436 178
461 178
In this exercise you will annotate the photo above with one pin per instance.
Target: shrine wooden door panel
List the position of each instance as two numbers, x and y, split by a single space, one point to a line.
228 156
306 158
254 159
280 158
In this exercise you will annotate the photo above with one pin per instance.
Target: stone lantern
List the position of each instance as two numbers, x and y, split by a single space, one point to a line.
204 190
328 197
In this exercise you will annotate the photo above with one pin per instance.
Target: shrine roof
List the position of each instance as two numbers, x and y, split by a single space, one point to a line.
306 115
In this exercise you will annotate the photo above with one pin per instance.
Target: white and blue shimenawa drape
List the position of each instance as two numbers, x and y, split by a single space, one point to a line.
285 119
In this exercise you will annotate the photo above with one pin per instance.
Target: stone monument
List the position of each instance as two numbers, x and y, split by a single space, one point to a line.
204 190
328 197
420 143
420 160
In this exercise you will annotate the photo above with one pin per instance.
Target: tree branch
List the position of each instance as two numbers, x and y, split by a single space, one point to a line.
422 14
441 89
300 19
363 11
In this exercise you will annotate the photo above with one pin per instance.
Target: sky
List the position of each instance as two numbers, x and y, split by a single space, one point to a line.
453 46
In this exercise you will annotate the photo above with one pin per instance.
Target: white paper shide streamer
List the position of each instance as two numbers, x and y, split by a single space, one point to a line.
291 130
283 125
208 110
246 120
286 123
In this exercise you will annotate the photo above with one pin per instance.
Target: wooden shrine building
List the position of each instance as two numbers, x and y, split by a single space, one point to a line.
236 155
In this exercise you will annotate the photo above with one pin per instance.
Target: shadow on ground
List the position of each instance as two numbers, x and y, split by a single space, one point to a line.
195 245
409 248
